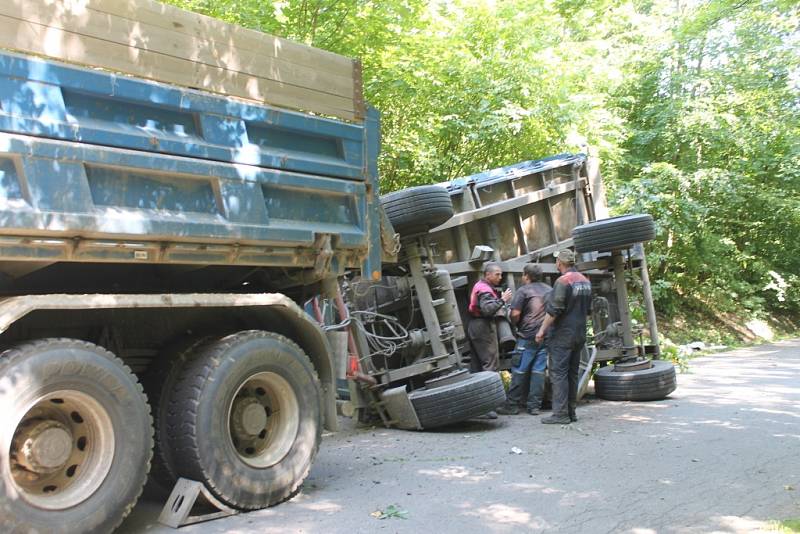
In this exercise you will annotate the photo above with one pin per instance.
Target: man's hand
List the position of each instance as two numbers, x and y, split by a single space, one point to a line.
506 296
548 320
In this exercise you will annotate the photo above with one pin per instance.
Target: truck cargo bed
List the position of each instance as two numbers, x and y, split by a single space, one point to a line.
105 168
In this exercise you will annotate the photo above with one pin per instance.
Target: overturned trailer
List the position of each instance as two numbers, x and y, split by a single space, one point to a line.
410 331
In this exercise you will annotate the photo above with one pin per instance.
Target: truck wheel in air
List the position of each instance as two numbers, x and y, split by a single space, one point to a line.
614 233
244 418
650 384
158 382
417 209
452 403
76 441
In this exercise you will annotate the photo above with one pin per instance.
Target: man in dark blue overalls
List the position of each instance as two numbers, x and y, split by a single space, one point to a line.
567 308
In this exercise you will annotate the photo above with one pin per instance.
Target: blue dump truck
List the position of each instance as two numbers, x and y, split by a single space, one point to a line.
187 265
161 238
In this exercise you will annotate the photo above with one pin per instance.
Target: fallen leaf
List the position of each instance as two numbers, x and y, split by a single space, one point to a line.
393 511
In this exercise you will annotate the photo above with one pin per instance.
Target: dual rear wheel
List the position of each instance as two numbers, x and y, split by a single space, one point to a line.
241 414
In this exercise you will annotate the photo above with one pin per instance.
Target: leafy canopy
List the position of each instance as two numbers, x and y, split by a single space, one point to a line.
692 104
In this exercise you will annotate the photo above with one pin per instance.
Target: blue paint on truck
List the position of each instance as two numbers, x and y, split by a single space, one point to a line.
87 154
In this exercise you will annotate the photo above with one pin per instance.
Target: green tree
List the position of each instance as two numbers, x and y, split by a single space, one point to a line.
714 122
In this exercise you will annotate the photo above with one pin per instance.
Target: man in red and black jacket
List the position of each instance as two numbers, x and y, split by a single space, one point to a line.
485 301
567 308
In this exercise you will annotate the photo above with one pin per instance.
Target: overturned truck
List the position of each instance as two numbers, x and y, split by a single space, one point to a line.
410 325
176 207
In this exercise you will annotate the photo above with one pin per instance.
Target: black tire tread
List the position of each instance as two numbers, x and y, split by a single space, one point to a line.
158 380
655 383
453 403
183 406
613 233
417 209
398 208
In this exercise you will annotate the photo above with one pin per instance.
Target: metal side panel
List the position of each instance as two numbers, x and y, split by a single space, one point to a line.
78 192
371 268
524 212
50 99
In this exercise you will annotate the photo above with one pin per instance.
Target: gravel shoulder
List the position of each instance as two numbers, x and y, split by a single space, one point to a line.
721 454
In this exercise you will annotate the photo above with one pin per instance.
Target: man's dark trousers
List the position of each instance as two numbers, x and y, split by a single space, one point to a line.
565 359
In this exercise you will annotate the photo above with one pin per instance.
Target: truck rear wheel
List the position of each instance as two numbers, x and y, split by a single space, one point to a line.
614 233
76 448
158 382
452 403
245 418
650 384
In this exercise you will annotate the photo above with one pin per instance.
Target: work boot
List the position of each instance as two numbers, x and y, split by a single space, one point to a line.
556 420
536 393
490 415
508 409
514 395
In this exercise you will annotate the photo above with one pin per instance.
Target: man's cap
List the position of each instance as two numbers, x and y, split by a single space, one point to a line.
565 256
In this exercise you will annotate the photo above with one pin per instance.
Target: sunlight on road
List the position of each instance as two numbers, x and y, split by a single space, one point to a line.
458 473
504 514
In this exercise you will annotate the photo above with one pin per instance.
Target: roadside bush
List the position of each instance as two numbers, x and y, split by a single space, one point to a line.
722 244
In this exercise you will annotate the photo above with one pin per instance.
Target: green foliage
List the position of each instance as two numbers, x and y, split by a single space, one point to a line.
671 352
713 153
693 107
787 526
713 248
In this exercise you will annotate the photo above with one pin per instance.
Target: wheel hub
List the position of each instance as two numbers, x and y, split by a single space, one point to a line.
62 449
43 447
249 417
639 364
263 419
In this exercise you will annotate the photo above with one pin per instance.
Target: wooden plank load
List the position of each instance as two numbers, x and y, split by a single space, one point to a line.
152 40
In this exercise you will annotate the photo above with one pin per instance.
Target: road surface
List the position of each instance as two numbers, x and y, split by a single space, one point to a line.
722 454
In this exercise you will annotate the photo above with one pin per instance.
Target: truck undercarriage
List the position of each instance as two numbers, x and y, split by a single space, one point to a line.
410 332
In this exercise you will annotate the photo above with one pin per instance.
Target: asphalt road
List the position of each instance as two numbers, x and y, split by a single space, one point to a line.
722 454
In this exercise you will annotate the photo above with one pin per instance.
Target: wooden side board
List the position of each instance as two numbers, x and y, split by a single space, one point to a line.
152 40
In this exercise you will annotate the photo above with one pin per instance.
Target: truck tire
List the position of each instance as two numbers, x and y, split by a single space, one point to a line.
76 441
614 233
245 418
158 381
452 403
417 209
644 385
